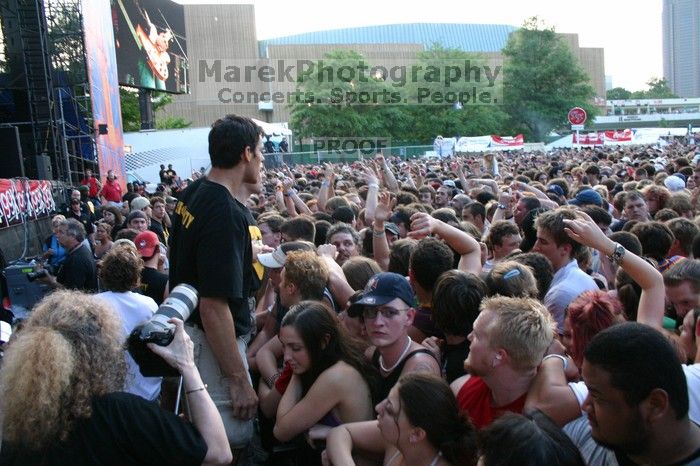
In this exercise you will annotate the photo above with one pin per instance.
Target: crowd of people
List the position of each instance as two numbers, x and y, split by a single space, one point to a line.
494 309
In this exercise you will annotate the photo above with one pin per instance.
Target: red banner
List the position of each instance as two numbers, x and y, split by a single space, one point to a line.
22 200
624 135
507 141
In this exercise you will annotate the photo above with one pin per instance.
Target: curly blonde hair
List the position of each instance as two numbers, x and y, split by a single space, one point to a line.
69 351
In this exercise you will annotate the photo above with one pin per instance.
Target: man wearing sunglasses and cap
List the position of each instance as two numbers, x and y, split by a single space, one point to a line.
386 311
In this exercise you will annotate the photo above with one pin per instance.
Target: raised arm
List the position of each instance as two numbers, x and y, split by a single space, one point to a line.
337 283
372 190
380 245
505 208
326 191
423 224
491 184
389 178
652 301
542 197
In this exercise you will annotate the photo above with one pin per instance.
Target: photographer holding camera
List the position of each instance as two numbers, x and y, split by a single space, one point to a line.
78 270
61 400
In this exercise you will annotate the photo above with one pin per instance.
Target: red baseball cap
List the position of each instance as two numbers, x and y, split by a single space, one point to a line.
146 242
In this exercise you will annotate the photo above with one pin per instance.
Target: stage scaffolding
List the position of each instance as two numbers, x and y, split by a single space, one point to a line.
42 51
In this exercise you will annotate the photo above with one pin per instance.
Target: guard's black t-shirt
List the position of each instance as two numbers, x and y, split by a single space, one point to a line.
78 271
153 284
123 429
210 248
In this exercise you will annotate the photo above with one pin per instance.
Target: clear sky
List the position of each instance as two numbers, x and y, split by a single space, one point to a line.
628 30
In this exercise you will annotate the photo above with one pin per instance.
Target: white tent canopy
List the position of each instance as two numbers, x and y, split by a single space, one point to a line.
640 136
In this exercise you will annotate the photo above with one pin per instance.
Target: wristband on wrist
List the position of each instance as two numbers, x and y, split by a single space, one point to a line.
188 392
373 185
270 381
378 233
558 356
618 254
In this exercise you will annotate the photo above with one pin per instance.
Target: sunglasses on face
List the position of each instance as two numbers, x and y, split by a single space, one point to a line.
385 311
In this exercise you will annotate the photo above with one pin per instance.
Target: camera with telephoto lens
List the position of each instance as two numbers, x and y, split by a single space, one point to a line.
179 304
31 276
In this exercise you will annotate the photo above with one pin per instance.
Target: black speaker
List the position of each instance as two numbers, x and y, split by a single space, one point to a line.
102 129
43 167
11 164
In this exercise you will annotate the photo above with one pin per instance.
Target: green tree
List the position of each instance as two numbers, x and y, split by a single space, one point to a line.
543 81
404 120
131 112
657 89
618 93
331 107
131 115
459 118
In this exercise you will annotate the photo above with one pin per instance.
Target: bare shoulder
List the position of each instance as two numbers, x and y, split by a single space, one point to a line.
421 362
457 384
340 376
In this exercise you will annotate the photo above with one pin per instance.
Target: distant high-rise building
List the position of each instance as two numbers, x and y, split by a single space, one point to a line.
681 42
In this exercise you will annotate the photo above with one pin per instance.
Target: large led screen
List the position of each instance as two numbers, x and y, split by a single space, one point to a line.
149 37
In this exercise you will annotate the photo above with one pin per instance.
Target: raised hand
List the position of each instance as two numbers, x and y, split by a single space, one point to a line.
584 230
383 211
422 225
327 250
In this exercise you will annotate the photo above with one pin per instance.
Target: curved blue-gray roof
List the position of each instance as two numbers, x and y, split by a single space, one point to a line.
467 37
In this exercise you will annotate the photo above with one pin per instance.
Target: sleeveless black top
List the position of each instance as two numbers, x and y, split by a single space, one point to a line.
387 382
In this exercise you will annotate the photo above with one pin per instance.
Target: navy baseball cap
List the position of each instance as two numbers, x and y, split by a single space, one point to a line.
556 189
587 196
380 289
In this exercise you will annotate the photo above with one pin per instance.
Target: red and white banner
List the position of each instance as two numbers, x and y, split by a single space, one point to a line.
22 200
603 137
623 135
486 143
507 141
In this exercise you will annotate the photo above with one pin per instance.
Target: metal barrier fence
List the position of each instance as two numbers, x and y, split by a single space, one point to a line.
318 157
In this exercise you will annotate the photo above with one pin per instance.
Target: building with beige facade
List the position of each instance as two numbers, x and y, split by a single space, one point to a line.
223 46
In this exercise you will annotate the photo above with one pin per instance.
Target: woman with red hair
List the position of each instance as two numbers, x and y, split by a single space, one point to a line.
587 315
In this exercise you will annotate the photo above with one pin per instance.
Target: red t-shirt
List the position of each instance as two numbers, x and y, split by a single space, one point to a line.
475 398
112 191
92 184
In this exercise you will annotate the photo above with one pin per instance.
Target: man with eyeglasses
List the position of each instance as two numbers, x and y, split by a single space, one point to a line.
386 311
